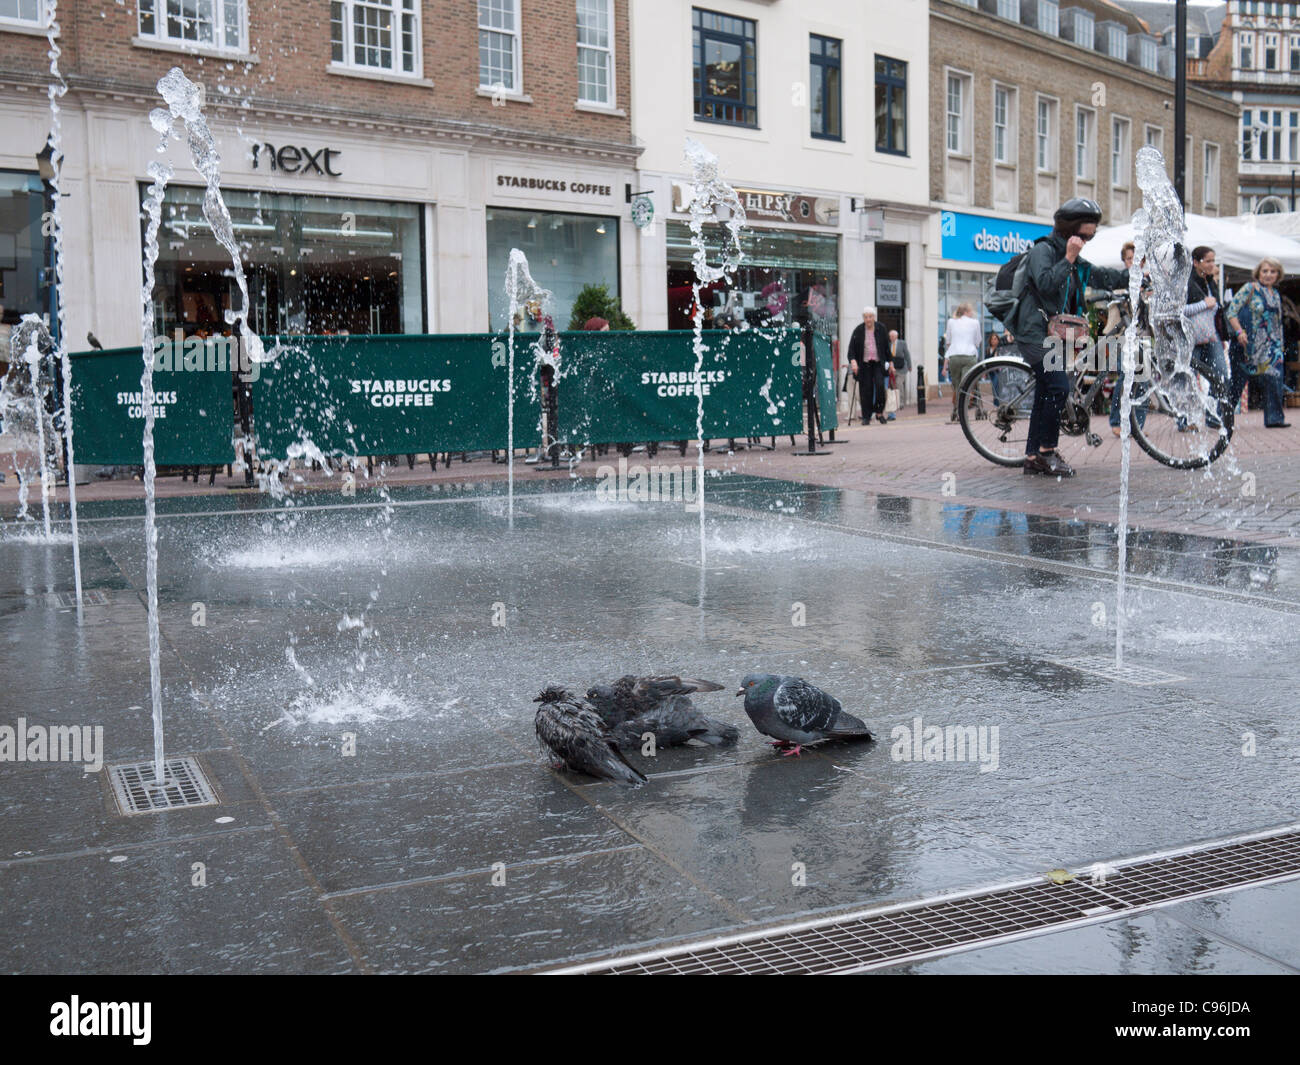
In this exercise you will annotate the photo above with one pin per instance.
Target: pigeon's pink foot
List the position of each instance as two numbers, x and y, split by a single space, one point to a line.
796 749
777 743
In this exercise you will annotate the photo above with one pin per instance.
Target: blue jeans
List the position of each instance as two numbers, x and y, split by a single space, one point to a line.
1051 387
1116 396
1270 383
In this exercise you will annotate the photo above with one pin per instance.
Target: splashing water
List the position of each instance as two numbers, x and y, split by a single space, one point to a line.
59 88
183 98
521 292
24 419
1159 234
709 191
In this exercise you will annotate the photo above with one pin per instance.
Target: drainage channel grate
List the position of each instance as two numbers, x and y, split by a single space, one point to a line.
1101 666
890 935
184 785
89 597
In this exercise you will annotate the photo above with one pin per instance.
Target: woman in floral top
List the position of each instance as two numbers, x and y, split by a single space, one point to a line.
1259 347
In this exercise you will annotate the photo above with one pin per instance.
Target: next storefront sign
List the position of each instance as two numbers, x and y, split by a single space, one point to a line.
974 238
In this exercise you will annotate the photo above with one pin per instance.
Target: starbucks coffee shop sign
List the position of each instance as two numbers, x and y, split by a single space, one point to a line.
554 184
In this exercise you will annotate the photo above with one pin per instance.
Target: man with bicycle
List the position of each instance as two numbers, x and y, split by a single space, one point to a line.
1057 278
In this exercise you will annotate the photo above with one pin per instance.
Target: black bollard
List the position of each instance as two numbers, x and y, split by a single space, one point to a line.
920 390
810 396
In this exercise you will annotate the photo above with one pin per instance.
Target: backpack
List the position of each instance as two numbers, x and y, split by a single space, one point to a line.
1009 285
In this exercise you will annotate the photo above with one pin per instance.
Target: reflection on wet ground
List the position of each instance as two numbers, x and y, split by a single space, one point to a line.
443 841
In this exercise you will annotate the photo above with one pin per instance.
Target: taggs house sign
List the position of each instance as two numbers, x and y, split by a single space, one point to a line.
763 206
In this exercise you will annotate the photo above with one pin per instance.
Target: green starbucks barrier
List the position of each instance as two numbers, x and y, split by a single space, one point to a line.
638 386
193 409
395 395
826 407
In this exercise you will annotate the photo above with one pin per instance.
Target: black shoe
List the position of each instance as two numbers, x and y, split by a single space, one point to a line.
1051 464
1279 425
882 419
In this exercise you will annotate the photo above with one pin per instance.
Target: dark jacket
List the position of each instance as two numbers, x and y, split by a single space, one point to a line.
1051 284
858 342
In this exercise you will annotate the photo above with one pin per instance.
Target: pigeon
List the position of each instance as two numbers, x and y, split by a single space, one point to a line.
633 706
795 712
575 734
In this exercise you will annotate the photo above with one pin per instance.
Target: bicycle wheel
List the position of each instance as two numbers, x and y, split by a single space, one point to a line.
1174 418
995 402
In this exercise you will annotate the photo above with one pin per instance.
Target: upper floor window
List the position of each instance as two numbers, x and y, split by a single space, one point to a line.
956 116
1148 55
1294 51
374 34
207 23
1083 27
28 12
1245 50
1002 124
1155 138
824 86
725 68
1270 51
1085 140
1210 172
1045 135
1119 164
1049 17
1116 41
596 52
891 105
498 44
1009 9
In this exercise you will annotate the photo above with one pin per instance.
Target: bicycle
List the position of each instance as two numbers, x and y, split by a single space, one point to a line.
1172 419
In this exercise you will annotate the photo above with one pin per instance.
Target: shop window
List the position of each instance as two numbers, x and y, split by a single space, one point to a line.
725 68
891 105
381 35
316 265
596 52
24 253
824 87
785 276
24 12
566 252
498 45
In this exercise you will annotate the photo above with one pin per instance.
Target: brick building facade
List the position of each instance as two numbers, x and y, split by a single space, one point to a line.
384 150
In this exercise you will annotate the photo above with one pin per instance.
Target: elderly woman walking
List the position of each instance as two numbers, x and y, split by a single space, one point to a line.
1255 318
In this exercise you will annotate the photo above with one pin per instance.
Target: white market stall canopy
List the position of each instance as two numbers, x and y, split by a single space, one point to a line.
1236 242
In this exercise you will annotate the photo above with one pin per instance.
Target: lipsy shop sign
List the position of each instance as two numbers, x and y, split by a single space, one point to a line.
766 206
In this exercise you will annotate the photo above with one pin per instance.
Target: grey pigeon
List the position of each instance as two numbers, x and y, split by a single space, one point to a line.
794 712
571 730
633 706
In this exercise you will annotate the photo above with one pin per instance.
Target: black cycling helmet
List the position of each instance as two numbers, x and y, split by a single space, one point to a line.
1078 209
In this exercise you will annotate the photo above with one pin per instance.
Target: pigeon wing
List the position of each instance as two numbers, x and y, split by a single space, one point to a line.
805 707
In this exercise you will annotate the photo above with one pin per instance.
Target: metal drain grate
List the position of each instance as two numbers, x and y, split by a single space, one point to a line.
1099 666
889 935
184 785
89 597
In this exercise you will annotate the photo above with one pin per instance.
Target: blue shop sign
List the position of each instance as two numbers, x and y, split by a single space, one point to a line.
977 238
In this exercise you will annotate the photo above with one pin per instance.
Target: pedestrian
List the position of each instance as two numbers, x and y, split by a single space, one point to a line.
1058 276
1209 330
902 359
1255 318
962 345
868 349
1127 252
992 349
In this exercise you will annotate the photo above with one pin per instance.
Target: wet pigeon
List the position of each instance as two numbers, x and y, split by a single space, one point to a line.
575 734
633 706
794 712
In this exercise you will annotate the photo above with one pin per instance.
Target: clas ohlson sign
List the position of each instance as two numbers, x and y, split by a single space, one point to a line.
977 238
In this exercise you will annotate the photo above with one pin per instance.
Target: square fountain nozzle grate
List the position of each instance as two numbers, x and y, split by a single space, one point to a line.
183 785
89 597
1104 666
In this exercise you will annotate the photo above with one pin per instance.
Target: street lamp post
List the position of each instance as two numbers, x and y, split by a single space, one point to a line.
1180 101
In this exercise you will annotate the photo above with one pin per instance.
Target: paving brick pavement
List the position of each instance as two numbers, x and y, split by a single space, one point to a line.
927 457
